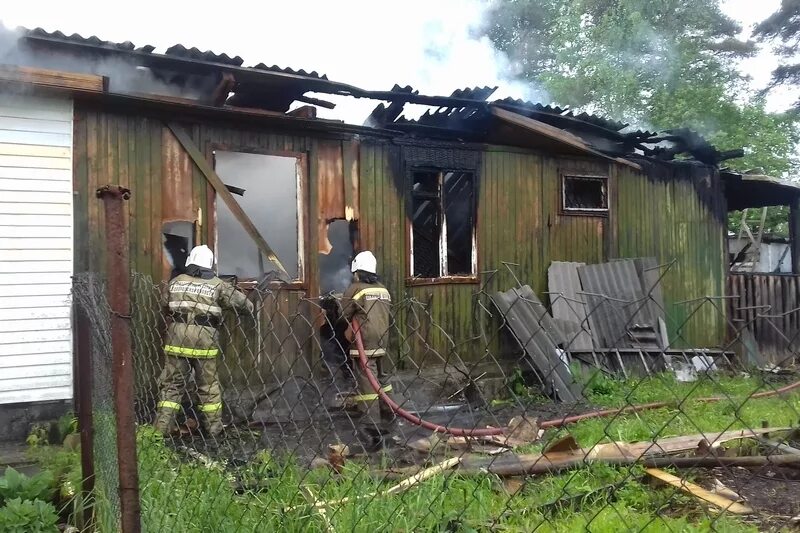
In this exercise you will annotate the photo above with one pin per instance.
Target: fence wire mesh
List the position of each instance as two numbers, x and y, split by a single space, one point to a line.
612 411
89 292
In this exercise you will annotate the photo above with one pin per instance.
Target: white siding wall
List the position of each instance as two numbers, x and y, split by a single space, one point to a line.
35 248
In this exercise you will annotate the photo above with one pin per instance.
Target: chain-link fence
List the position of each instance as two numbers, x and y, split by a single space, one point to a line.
596 405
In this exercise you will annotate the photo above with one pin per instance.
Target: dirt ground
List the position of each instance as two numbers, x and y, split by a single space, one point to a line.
772 491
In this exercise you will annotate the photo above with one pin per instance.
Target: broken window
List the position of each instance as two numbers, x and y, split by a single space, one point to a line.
585 193
442 224
177 239
270 195
334 267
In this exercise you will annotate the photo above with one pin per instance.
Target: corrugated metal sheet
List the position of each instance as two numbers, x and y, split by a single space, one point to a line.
615 301
650 275
676 219
567 302
177 50
527 318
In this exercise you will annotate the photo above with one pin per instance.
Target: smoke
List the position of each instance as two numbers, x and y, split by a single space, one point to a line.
432 46
125 75
334 267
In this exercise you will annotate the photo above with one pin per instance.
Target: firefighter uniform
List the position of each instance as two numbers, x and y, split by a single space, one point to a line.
192 346
370 305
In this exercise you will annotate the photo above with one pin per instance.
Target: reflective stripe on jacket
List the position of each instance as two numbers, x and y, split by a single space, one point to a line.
196 305
370 304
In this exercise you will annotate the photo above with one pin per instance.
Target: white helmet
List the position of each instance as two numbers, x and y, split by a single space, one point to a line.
366 262
201 256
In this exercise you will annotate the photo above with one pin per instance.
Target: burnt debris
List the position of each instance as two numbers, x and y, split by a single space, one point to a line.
221 80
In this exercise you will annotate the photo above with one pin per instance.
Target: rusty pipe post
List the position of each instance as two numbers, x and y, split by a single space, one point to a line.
84 384
118 290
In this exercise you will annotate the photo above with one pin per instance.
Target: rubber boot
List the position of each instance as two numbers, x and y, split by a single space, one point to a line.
165 422
212 425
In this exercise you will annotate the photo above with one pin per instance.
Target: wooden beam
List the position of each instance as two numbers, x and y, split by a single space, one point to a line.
305 111
223 192
555 134
223 88
699 492
55 79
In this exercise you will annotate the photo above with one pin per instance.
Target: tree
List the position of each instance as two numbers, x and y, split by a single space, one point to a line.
657 64
783 27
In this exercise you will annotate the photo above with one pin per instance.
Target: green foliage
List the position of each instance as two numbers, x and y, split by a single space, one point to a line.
659 65
16 485
28 516
67 425
267 494
37 436
781 28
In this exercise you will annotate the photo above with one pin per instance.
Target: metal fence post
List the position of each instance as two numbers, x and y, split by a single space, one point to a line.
118 289
83 399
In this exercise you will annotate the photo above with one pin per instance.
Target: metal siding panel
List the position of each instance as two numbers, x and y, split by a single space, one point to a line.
567 302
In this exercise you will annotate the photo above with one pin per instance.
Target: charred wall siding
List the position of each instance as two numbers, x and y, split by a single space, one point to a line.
673 220
138 152
520 222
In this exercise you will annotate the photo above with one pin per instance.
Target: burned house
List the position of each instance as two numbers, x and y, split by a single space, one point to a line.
452 202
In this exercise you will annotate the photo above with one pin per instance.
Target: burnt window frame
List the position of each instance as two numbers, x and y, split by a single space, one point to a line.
303 213
444 277
564 175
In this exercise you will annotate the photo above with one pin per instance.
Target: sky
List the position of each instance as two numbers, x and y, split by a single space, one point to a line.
371 44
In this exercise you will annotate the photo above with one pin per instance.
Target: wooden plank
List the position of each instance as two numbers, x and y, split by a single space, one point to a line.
699 492
51 78
226 196
350 152
558 135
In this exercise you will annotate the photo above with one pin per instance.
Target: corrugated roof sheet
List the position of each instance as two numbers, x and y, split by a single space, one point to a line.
567 302
177 50
535 331
615 301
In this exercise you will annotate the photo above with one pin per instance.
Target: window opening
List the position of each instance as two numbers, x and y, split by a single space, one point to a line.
177 239
442 224
271 198
583 193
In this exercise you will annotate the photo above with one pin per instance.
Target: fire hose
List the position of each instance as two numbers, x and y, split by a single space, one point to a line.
555 423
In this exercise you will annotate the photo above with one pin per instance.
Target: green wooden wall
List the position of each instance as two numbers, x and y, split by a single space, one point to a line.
519 223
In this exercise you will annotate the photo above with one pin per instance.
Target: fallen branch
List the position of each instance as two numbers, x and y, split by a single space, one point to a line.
400 487
699 492
621 453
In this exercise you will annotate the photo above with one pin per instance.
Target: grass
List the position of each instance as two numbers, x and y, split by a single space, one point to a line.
182 495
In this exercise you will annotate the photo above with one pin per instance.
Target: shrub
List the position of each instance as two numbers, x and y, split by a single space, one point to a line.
16 485
28 516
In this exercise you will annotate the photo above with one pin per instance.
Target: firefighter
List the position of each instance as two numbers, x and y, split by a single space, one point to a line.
368 301
195 301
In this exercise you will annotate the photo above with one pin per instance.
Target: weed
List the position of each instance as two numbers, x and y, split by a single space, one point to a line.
16 485
28 516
